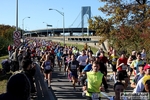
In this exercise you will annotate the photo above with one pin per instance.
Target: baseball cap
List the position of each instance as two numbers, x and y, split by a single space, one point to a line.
147 66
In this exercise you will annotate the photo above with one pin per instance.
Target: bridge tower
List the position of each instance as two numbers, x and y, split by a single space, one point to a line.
85 10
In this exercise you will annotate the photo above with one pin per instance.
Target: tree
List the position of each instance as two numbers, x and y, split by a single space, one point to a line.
101 26
128 23
6 37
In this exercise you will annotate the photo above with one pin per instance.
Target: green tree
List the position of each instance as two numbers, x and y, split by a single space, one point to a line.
6 37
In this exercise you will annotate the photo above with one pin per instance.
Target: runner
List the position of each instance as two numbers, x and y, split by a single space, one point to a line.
140 85
94 82
118 88
113 60
138 76
46 66
121 67
65 55
135 64
82 63
59 58
87 68
129 61
73 66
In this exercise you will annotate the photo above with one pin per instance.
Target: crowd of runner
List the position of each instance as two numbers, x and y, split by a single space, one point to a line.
82 67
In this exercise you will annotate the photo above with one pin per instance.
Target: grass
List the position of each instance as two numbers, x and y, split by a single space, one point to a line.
3 82
2 58
80 47
3 78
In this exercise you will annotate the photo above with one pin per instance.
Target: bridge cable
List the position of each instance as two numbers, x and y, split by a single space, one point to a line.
75 19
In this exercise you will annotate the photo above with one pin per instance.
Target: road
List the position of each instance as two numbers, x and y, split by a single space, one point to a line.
61 88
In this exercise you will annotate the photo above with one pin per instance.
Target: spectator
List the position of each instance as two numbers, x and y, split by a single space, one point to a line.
6 65
29 71
20 57
15 63
18 88
9 50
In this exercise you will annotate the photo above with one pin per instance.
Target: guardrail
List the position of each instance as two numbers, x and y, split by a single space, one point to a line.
43 92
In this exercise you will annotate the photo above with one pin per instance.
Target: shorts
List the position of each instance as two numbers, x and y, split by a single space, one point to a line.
74 75
47 71
59 59
114 68
121 75
66 63
81 68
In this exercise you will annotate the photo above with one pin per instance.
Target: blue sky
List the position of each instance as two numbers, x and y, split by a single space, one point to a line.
38 11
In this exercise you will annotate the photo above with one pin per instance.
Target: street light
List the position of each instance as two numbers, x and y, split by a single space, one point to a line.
23 22
16 15
23 26
62 13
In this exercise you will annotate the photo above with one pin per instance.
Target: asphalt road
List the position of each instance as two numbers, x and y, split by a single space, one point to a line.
62 89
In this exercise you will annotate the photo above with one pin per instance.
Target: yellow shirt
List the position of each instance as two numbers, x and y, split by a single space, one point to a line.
94 82
114 58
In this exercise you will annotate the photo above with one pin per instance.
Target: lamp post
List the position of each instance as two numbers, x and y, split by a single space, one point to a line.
23 26
62 13
16 15
23 22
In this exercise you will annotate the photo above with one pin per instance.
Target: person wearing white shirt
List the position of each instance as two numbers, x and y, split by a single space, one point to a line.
140 86
82 62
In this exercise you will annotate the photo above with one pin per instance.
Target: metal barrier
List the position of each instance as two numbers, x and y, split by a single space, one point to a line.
43 92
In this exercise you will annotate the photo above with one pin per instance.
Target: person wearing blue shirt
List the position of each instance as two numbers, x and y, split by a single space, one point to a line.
87 68
59 58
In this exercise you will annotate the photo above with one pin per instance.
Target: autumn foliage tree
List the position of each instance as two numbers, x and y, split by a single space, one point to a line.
6 37
127 25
